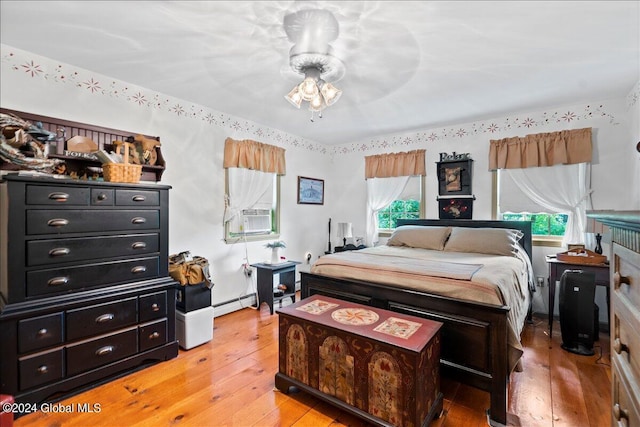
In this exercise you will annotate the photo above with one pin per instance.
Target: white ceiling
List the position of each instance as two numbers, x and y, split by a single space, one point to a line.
410 65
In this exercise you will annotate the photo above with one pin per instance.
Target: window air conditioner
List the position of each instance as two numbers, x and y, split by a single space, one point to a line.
256 221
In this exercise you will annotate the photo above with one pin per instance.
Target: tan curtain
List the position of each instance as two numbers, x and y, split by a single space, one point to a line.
254 155
541 149
395 164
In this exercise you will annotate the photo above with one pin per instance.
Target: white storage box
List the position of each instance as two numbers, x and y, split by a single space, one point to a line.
194 327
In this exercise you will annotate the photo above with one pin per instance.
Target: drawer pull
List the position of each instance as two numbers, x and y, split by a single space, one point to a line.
138 220
105 318
43 369
57 222
620 413
102 196
58 281
42 332
619 347
59 197
155 307
139 245
139 269
154 335
618 279
138 198
103 351
59 252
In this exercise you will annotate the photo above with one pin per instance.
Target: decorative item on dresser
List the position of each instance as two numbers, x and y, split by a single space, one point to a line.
81 162
625 313
84 284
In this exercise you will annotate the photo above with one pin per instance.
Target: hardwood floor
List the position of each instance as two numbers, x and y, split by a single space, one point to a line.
229 382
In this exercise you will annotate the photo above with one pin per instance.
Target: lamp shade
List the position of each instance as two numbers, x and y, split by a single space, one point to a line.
330 93
595 227
294 97
345 230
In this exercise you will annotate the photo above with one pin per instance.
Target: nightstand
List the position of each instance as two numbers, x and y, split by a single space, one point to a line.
266 272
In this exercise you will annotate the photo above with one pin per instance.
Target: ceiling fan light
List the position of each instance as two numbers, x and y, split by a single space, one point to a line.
294 97
308 88
317 103
330 93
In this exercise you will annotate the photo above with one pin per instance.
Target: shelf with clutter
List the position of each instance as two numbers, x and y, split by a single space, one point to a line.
66 148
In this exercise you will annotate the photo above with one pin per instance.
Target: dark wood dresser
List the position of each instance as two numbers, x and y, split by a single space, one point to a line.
85 294
625 314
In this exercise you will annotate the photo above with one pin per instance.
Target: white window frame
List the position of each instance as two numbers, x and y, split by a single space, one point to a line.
387 232
232 238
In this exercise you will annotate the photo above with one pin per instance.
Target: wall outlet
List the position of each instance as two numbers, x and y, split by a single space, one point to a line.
540 281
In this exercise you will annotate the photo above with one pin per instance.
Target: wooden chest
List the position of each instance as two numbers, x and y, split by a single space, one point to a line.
376 364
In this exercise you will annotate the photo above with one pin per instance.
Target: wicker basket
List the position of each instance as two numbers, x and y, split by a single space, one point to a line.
122 172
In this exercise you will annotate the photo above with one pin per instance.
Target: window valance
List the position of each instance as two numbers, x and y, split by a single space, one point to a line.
395 164
254 155
541 149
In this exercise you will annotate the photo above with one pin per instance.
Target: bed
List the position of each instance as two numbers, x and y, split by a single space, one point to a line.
451 279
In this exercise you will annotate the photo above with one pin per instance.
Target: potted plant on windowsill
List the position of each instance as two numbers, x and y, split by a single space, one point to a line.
275 247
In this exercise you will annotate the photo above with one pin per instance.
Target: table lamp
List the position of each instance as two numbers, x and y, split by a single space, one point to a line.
345 231
597 228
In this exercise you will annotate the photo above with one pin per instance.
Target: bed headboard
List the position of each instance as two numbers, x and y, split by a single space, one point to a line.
523 226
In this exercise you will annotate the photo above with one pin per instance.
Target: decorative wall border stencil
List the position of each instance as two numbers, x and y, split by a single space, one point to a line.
44 68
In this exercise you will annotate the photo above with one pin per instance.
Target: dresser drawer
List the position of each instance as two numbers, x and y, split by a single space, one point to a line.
98 319
61 280
45 221
39 332
153 306
91 354
41 368
626 275
152 335
624 405
137 198
53 195
51 251
625 340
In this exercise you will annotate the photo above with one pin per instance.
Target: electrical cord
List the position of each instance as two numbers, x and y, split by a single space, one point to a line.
245 266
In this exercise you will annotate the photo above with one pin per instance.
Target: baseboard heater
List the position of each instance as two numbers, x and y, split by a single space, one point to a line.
230 306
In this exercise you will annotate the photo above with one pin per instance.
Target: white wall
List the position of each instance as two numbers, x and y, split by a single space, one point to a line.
193 136
192 140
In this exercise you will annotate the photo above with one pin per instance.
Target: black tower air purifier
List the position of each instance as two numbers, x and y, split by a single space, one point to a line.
576 304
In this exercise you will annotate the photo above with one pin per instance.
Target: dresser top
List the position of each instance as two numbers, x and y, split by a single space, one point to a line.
50 179
629 220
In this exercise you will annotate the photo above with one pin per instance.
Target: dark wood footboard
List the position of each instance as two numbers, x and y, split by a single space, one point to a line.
474 336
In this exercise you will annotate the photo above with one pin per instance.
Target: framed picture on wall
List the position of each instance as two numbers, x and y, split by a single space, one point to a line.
454 177
310 191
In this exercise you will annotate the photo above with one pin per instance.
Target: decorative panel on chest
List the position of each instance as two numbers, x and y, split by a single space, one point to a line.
85 293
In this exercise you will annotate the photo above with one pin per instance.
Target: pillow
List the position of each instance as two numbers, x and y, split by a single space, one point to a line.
416 236
492 241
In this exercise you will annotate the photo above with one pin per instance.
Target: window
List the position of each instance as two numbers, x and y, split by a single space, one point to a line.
542 224
547 228
257 206
408 205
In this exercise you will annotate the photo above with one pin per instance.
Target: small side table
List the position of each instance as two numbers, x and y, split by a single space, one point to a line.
557 267
287 272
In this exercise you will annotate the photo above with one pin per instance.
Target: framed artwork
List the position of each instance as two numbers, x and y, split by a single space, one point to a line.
455 207
310 191
454 177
